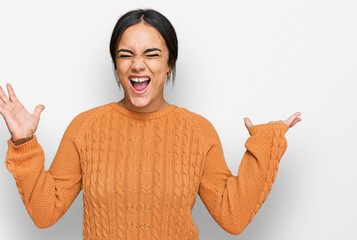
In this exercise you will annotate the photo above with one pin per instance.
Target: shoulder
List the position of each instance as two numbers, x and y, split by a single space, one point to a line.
196 118
81 120
95 111
204 127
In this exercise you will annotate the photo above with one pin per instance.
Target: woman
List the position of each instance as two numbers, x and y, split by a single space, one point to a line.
141 161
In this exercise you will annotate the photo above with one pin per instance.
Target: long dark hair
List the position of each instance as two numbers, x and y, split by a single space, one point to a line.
155 19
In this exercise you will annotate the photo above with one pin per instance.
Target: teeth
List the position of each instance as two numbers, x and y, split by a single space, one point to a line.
139 79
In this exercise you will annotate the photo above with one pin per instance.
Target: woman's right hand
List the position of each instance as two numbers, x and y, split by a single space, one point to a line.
20 123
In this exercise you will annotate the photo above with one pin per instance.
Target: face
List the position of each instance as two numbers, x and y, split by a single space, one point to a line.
142 65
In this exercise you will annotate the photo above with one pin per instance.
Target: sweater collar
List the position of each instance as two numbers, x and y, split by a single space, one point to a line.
140 115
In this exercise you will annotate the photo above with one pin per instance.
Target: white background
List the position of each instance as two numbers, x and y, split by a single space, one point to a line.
261 59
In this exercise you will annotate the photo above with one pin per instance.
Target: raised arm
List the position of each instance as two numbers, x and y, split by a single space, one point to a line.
46 194
234 200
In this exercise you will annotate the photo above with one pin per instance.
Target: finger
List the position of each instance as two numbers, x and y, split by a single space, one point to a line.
11 92
38 110
3 96
248 123
296 120
292 117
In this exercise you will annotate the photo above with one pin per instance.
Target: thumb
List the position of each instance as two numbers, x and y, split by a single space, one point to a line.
248 123
38 110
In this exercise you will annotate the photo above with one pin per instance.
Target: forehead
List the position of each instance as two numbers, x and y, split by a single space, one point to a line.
140 37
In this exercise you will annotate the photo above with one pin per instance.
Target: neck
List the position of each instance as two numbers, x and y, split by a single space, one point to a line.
152 107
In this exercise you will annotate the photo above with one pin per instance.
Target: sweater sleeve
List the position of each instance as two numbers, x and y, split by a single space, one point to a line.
231 200
47 194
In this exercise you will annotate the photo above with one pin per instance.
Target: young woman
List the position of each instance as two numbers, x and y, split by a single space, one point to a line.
141 161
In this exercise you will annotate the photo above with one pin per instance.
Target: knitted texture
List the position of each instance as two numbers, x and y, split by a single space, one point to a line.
140 173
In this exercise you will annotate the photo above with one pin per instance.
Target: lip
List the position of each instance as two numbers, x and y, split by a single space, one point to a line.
138 76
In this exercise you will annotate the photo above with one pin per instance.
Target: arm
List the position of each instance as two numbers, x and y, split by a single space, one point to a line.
47 194
234 200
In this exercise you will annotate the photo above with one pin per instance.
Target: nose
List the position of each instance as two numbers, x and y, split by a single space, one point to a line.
138 64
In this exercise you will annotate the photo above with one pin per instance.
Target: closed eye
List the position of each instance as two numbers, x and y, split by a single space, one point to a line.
152 55
125 56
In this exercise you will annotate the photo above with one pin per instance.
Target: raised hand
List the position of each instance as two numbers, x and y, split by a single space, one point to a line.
20 123
291 121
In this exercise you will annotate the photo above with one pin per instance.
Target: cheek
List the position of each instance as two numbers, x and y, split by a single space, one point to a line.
159 69
121 69
121 76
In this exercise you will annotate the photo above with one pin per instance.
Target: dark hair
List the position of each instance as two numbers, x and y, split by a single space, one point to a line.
155 19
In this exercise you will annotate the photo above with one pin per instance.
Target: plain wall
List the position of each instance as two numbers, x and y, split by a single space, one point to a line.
260 59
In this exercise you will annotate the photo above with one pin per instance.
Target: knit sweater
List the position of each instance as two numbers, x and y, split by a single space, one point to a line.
140 173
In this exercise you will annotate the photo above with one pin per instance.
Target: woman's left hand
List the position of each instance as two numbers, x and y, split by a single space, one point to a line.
291 121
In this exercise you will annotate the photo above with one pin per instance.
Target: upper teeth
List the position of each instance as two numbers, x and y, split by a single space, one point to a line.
139 79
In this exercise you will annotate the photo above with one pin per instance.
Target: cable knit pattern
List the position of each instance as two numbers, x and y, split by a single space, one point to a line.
140 173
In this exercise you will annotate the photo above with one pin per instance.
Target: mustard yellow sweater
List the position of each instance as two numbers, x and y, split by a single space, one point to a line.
141 172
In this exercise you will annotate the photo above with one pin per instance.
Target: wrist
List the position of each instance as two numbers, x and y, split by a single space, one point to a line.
268 127
17 142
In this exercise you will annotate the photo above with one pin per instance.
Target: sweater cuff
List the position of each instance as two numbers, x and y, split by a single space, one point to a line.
268 127
24 147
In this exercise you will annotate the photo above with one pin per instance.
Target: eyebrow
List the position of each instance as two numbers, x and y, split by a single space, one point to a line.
152 50
125 50
146 51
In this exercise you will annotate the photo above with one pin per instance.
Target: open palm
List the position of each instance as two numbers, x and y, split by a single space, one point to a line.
19 121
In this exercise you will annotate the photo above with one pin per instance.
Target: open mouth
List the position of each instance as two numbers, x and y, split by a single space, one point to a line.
139 85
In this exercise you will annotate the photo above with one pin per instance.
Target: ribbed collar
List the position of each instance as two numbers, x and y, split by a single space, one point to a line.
140 115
